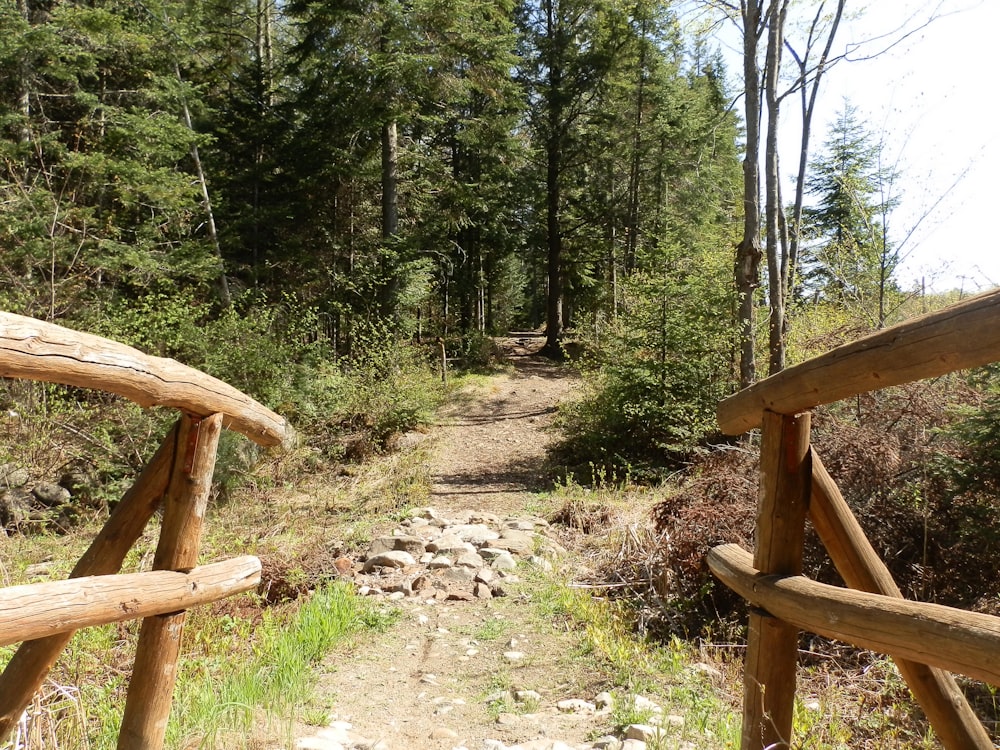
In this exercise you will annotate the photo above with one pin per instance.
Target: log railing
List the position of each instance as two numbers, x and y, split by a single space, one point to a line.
928 642
178 478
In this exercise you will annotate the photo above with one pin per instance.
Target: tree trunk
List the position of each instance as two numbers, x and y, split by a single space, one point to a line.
632 237
553 158
808 105
224 295
23 95
390 218
748 252
775 258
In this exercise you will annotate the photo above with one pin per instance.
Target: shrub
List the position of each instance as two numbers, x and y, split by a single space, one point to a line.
653 381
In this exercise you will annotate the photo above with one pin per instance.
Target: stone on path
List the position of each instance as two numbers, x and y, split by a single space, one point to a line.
393 559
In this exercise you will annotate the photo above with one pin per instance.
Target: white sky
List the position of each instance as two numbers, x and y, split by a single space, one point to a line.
933 98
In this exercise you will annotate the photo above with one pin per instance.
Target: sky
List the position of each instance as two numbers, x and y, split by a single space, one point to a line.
932 99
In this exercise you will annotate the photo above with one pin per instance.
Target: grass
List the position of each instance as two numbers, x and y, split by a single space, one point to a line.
245 661
633 665
214 710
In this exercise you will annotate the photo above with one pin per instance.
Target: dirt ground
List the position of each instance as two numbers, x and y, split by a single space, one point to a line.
444 676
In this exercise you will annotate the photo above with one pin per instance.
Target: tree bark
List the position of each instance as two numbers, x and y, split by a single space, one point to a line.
775 258
748 253
553 173
390 217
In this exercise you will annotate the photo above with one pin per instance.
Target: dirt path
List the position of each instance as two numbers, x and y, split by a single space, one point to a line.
492 444
449 674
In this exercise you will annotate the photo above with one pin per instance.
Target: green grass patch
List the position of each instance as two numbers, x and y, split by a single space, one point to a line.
634 665
221 707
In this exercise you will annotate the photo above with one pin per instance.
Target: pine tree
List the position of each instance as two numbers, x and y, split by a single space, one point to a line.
98 196
845 260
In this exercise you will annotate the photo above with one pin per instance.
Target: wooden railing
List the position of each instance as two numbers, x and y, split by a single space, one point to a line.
927 641
178 478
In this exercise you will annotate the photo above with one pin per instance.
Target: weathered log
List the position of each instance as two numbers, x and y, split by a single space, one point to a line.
35 350
41 609
953 719
26 670
961 336
772 645
150 691
952 639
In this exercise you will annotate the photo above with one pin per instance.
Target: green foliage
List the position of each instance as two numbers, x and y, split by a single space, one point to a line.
655 380
848 257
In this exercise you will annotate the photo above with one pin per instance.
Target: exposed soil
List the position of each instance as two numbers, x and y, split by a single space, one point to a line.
440 678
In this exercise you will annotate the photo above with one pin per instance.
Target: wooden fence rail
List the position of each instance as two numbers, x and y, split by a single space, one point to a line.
927 641
178 477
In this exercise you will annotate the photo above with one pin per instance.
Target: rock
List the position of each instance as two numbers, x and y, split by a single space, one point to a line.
542 744
513 656
401 542
576 706
642 703
318 743
604 701
449 544
13 477
482 591
458 575
15 508
608 742
440 561
459 595
476 534
504 562
412 544
393 559
525 696
470 560
443 733
633 745
80 485
672 720
50 494
644 733
485 575
515 542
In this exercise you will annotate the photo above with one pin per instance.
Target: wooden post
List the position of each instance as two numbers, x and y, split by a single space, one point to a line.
954 721
150 692
26 671
444 360
772 645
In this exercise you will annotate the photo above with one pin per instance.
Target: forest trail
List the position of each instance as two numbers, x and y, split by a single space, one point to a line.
447 675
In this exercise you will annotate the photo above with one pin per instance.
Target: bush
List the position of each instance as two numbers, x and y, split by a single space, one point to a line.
654 379
923 485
